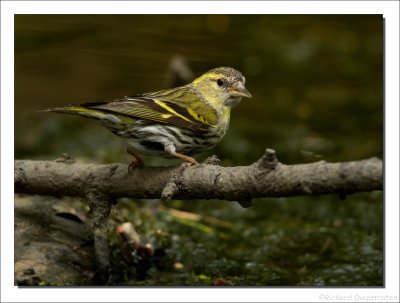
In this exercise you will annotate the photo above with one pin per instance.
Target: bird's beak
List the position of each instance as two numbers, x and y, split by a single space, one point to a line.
239 90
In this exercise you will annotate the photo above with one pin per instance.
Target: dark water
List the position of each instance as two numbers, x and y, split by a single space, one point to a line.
317 89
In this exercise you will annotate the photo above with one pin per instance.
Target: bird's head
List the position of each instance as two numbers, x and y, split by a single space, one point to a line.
222 86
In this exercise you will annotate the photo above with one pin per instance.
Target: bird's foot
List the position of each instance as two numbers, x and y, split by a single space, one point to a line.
134 164
190 162
136 161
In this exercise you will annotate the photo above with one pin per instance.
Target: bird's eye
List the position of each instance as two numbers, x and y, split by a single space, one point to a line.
220 82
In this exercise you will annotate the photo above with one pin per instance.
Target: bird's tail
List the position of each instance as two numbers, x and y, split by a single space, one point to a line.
114 121
77 110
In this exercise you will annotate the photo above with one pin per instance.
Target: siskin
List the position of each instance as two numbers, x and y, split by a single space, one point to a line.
177 122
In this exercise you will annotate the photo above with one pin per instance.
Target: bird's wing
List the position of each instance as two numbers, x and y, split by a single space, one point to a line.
153 109
192 102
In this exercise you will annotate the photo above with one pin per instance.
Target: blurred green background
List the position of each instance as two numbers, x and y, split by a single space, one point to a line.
317 86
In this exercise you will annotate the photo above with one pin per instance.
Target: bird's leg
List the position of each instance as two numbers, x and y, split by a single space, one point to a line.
189 160
136 161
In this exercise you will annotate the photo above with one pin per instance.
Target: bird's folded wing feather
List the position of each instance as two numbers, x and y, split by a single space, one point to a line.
156 110
192 101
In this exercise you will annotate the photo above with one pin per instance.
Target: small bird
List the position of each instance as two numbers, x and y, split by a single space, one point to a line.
177 122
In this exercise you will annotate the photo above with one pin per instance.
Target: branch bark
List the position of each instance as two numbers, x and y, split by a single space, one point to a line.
264 178
101 185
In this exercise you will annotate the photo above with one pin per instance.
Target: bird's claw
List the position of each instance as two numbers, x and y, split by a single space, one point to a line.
185 165
134 164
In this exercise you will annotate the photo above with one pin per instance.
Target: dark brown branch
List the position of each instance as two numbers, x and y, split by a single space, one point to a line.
265 178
